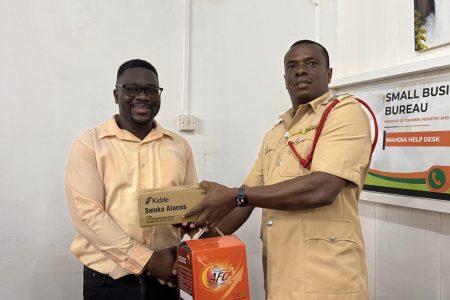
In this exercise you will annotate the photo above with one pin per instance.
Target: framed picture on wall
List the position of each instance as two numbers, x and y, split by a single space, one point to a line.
431 24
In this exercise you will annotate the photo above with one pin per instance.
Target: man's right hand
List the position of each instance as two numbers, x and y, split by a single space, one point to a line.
161 265
188 228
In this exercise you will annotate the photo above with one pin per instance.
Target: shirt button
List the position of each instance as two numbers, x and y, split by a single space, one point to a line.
332 238
269 222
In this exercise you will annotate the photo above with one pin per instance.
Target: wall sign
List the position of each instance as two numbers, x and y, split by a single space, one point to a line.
412 156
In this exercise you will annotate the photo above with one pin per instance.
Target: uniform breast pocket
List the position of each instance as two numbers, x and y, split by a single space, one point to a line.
291 165
330 257
270 147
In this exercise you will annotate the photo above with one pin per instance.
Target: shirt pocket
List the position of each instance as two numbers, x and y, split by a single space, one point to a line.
330 257
270 147
173 167
291 165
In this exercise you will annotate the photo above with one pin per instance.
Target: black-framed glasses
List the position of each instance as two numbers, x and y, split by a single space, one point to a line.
132 90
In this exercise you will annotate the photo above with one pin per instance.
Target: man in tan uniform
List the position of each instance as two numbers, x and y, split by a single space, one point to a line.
313 246
108 165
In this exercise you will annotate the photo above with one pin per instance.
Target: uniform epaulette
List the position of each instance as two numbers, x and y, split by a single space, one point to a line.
279 121
341 96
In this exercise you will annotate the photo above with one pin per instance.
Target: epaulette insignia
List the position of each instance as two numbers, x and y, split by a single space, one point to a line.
301 131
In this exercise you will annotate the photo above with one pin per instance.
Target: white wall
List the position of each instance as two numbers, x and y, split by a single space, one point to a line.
365 35
407 249
238 90
57 66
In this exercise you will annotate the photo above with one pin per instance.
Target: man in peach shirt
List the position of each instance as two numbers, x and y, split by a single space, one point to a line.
107 167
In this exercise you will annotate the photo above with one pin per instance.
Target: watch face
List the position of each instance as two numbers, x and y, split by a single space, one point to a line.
241 198
241 201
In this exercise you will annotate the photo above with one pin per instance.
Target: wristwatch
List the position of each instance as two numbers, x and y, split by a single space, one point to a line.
241 198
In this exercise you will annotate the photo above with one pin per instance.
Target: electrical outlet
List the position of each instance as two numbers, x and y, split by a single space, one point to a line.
186 123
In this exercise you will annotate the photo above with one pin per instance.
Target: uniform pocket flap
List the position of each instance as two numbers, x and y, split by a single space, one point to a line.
270 145
332 231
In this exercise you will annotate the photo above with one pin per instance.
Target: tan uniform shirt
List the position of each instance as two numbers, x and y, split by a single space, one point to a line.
107 167
316 254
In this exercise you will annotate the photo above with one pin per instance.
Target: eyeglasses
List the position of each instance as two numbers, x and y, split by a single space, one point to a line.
135 90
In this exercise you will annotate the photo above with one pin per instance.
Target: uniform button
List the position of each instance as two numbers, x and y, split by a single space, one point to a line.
286 134
332 238
269 222
279 162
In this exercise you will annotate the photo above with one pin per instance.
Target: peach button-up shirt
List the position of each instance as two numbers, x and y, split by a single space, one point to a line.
107 167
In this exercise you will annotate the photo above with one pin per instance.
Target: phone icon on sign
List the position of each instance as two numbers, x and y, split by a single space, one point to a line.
434 178
437 179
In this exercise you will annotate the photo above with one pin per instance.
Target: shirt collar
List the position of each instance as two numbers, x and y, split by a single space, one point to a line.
110 128
315 104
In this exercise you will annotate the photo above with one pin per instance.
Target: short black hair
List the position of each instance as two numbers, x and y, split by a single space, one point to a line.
324 50
136 63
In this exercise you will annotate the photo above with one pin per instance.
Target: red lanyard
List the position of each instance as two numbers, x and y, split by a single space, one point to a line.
306 162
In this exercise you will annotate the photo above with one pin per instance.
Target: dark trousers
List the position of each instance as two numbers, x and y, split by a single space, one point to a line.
98 286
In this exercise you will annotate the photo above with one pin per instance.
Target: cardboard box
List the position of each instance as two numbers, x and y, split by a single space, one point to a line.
167 205
213 269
